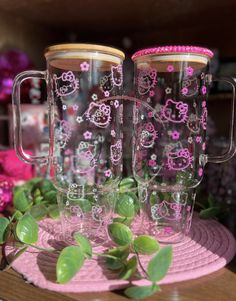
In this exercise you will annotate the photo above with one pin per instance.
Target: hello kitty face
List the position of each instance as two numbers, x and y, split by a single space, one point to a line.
175 111
99 114
106 83
98 213
147 135
65 84
75 192
190 87
179 160
166 210
116 152
117 75
146 80
85 160
63 133
193 124
203 120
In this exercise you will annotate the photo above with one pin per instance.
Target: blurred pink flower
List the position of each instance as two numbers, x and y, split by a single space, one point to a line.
6 186
12 167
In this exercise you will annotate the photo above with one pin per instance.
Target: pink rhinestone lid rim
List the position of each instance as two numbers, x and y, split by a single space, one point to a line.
173 49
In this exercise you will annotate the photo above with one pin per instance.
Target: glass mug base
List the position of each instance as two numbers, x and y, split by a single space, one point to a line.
89 216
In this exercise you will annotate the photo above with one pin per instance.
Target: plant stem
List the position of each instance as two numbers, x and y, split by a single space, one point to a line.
141 266
42 249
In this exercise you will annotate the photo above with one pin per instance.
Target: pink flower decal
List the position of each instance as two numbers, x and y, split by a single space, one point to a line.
200 172
204 104
75 107
151 93
170 68
87 135
175 135
152 163
204 146
84 66
94 97
116 104
106 93
189 71
150 114
107 173
198 139
203 90
184 91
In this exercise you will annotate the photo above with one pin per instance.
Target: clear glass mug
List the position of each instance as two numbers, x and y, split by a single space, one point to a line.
85 136
170 121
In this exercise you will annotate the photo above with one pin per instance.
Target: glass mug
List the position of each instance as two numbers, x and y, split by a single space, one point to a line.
169 145
85 136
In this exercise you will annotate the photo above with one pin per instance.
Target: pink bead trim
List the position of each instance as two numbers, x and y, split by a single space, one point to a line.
173 49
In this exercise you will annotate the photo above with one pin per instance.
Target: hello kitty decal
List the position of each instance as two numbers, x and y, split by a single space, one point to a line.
190 87
170 210
147 80
203 120
175 111
147 135
75 192
99 114
167 210
179 160
63 133
65 84
116 152
114 79
193 123
85 160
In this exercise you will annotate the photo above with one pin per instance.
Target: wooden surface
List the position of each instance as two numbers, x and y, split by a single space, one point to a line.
219 286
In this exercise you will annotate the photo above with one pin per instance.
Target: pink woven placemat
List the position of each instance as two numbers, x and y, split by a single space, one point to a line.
209 247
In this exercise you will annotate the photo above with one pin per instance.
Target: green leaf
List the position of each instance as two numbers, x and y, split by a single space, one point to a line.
27 229
17 215
123 220
38 211
51 197
130 268
84 204
146 245
141 292
30 184
126 184
4 223
69 263
44 186
21 200
120 234
119 255
210 212
159 264
211 201
125 205
84 244
53 211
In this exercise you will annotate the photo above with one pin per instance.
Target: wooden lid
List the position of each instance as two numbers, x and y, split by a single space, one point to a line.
83 48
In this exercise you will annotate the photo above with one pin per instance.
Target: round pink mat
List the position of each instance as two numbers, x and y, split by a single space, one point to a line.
209 247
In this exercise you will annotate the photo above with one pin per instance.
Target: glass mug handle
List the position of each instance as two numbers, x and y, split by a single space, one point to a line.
232 132
17 116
